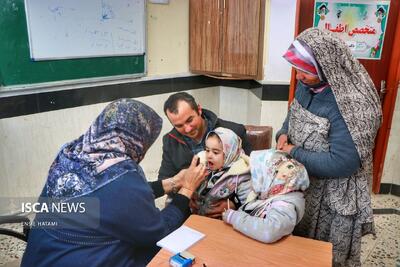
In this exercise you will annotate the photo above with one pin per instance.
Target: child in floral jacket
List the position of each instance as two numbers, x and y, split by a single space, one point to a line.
276 204
229 168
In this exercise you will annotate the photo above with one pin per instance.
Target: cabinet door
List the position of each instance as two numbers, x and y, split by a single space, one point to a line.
242 44
205 36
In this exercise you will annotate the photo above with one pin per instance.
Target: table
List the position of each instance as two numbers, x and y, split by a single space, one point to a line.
223 246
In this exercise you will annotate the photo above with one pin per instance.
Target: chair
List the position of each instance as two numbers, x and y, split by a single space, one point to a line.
260 137
15 219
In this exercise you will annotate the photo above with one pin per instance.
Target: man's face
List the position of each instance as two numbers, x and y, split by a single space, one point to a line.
187 121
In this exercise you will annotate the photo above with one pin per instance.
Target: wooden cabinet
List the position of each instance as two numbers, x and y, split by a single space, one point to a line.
226 38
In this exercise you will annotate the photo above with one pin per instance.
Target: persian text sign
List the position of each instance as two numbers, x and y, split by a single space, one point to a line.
361 24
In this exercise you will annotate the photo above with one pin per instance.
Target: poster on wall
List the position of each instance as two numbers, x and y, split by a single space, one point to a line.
361 24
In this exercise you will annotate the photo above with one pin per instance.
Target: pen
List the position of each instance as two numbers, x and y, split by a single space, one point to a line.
228 203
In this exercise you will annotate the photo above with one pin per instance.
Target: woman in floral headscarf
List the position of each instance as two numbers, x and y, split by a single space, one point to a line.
331 128
103 165
276 203
229 176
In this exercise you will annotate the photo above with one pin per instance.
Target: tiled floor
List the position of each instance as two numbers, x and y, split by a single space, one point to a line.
382 250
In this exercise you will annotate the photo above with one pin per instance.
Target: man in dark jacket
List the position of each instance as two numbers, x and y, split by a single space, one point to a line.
187 138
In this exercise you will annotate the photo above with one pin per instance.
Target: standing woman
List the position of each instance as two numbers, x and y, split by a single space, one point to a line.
103 164
330 128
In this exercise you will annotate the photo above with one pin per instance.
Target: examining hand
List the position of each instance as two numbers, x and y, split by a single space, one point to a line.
282 140
179 177
172 185
219 207
193 177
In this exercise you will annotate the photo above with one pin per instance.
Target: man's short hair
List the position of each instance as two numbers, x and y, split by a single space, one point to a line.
172 102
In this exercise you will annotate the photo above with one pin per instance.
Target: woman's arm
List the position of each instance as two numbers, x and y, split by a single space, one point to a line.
128 212
169 185
342 159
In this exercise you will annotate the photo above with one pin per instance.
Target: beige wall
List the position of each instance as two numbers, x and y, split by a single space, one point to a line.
168 38
273 113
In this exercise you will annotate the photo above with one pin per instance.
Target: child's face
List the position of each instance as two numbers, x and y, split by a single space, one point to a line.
214 153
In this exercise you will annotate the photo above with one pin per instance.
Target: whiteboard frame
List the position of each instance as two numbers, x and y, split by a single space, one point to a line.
21 89
92 56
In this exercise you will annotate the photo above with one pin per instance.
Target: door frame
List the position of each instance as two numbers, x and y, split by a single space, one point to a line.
392 84
389 102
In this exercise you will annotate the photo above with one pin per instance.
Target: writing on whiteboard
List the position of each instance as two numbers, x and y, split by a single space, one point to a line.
91 28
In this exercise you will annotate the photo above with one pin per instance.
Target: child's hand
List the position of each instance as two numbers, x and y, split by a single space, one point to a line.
193 204
217 208
227 216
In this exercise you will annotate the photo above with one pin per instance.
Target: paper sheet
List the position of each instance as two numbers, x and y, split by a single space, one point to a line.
180 239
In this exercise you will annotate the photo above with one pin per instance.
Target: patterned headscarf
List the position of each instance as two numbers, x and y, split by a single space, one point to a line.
125 129
355 93
274 172
231 145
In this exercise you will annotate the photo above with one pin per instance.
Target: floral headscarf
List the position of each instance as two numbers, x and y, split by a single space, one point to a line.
274 172
231 145
124 130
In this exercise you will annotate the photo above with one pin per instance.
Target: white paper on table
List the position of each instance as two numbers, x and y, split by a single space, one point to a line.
180 239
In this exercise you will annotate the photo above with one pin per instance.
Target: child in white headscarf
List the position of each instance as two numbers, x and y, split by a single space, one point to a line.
276 204
229 177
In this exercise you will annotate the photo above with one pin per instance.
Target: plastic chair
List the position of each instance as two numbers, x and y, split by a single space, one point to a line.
15 219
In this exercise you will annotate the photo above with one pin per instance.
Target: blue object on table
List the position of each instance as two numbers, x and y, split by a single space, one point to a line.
183 259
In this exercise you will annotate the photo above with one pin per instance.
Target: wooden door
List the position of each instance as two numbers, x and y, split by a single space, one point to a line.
241 37
205 24
388 105
377 69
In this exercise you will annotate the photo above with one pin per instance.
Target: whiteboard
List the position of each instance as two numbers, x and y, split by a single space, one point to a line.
61 29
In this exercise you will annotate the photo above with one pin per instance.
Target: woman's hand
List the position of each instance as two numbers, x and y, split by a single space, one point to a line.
282 140
172 185
287 148
179 177
193 177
